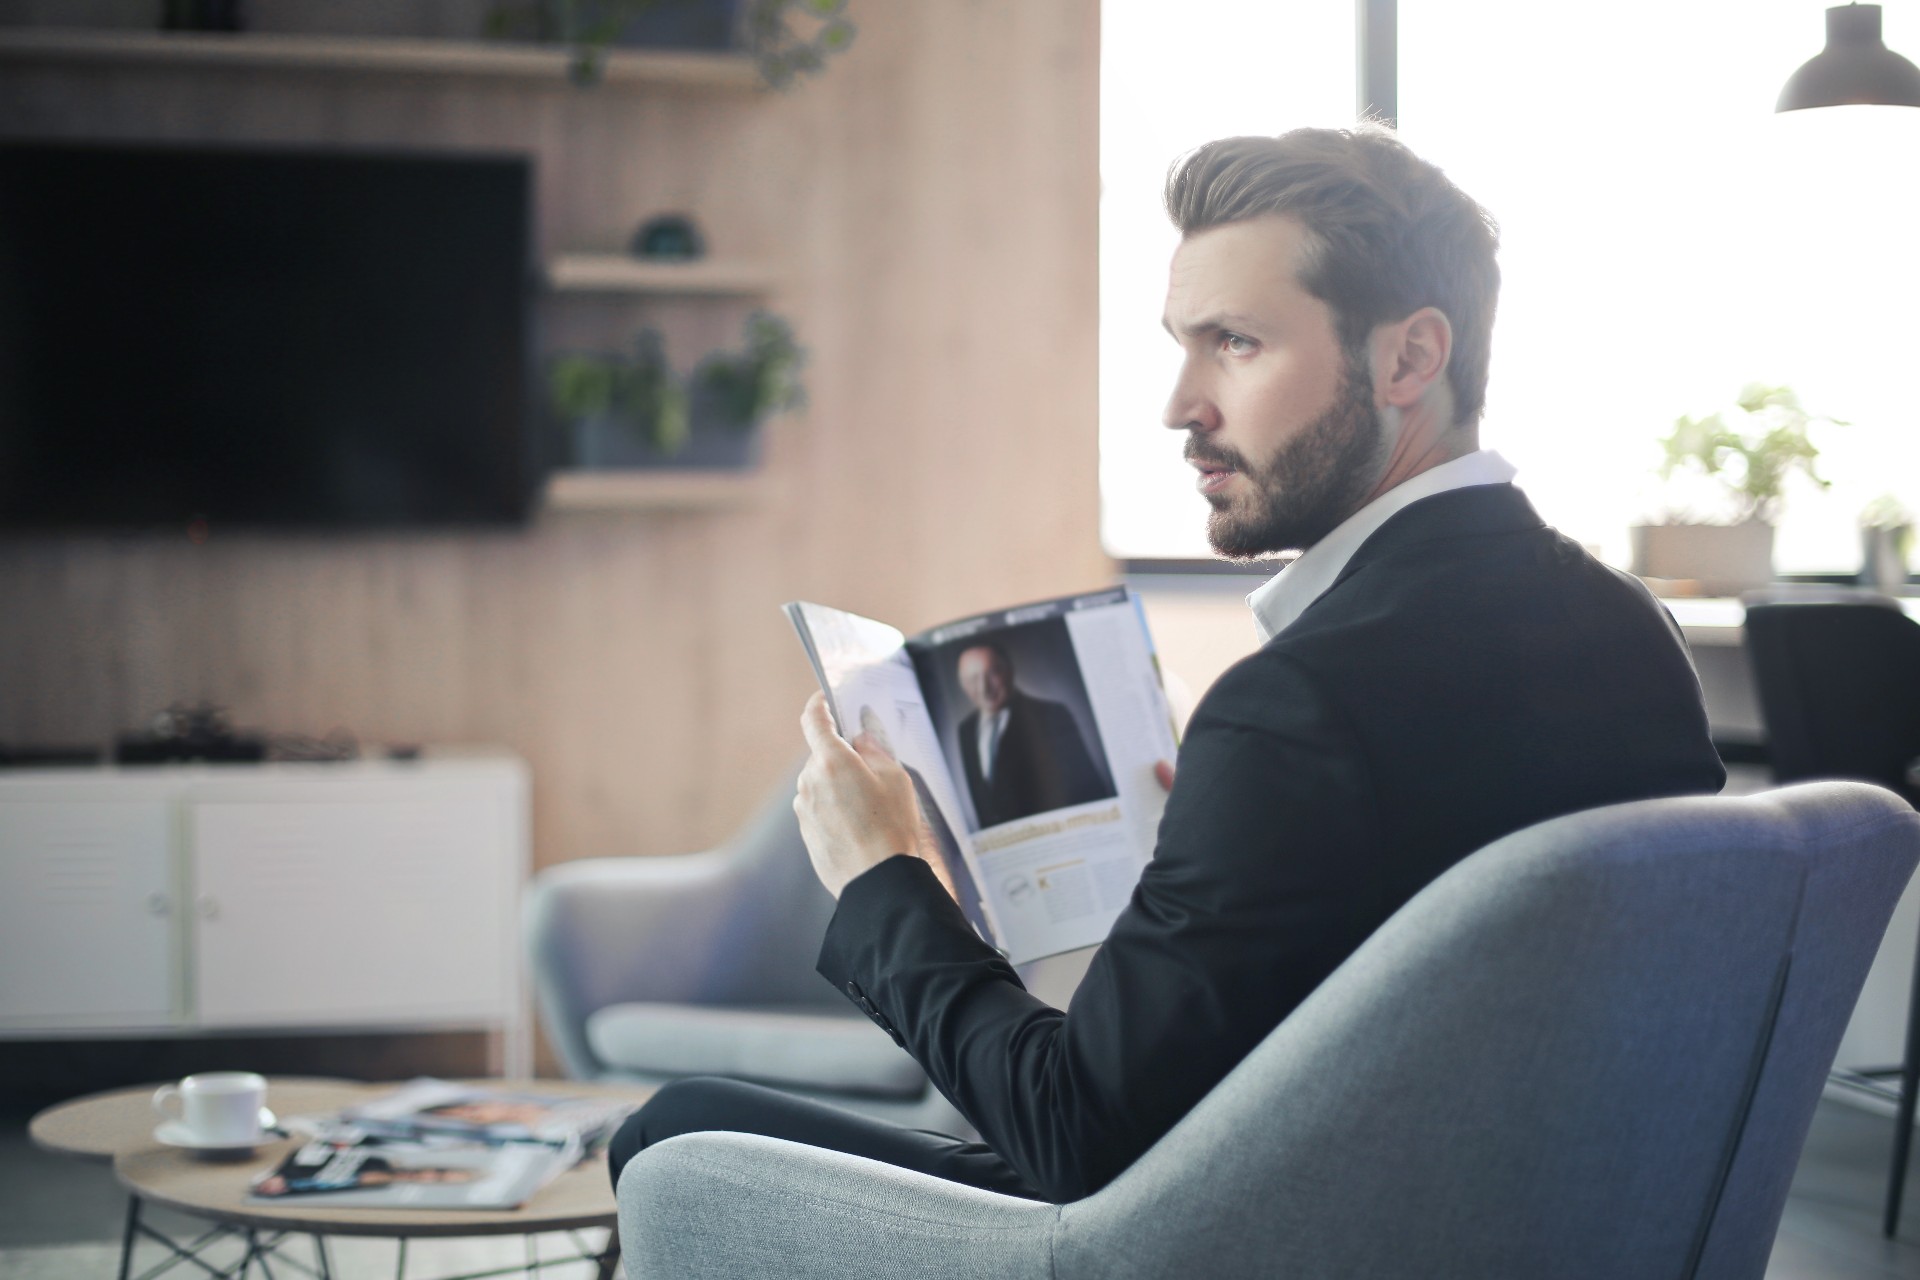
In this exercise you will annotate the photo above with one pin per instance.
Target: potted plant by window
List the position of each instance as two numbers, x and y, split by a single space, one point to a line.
1747 451
1886 535
619 410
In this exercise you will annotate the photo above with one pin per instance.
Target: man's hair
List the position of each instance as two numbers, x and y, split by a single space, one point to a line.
1388 233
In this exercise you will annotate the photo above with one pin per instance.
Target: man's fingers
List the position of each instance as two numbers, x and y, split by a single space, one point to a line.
817 723
878 758
1163 773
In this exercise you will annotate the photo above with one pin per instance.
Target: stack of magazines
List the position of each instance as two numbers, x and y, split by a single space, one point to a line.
433 1144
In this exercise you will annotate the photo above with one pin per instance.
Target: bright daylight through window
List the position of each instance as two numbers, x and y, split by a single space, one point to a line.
1666 239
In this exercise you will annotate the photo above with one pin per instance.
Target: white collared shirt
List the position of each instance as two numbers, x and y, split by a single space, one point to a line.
1285 596
991 727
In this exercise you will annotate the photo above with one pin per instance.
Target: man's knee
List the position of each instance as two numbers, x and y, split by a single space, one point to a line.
693 1105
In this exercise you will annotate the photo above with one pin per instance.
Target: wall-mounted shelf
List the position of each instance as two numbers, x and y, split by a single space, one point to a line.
662 490
502 60
617 273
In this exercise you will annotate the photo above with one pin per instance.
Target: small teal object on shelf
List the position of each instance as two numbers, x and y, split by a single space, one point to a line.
671 236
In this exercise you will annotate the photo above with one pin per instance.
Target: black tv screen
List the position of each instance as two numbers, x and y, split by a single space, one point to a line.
221 338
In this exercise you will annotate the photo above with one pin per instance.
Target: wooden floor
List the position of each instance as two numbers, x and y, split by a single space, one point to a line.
61 1218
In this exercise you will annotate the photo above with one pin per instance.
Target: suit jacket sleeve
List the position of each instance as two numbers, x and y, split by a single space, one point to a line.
1258 888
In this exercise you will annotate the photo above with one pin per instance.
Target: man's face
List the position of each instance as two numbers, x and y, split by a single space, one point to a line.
984 678
1281 423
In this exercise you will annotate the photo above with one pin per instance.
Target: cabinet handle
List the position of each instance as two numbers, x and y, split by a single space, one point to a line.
209 907
159 905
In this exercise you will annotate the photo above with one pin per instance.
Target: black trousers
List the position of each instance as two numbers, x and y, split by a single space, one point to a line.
706 1104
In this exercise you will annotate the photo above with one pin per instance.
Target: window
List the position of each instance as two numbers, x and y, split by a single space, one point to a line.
1666 238
1171 78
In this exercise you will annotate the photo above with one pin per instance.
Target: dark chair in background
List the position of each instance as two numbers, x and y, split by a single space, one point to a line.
1839 689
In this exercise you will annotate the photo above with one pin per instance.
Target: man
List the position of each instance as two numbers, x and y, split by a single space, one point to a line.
1439 669
1022 755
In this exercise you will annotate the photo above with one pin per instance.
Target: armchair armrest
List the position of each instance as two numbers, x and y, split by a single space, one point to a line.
739 1205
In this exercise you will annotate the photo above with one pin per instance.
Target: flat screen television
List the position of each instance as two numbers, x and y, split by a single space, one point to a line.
242 338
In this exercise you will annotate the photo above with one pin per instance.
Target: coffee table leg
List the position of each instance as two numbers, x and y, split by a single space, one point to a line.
610 1259
126 1241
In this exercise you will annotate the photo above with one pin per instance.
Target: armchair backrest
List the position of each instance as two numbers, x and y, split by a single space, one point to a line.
1591 1049
1839 688
769 935
736 925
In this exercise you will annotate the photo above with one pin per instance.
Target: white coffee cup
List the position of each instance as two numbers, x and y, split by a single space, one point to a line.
218 1108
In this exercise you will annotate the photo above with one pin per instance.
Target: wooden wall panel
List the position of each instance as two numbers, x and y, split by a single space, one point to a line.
930 204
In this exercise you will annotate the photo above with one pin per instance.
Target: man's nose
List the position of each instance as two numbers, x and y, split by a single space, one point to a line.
1189 407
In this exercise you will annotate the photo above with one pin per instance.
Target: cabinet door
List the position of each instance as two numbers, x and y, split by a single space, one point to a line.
351 911
85 914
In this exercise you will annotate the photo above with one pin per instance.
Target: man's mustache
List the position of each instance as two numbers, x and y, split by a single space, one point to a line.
1215 457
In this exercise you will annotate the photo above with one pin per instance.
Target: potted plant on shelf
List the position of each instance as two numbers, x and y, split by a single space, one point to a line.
1747 451
627 410
781 48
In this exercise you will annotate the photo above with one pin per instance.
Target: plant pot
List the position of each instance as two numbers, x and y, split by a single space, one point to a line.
1725 559
1883 558
607 444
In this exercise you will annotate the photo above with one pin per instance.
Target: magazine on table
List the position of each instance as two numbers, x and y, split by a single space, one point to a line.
434 1144
350 1167
1030 734
427 1107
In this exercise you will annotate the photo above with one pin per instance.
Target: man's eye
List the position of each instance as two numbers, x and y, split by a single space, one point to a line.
1235 345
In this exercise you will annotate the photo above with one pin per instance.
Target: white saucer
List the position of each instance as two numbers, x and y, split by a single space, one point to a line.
175 1134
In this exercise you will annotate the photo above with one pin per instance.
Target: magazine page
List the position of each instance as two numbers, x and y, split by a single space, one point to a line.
1050 717
353 1168
871 687
479 1113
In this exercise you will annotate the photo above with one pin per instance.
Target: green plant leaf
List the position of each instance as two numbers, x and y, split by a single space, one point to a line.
581 386
672 422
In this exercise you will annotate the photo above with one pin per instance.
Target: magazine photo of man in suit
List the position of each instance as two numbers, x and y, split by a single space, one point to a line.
1439 668
1022 754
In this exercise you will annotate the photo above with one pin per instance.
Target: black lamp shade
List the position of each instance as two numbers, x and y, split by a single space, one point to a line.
1856 67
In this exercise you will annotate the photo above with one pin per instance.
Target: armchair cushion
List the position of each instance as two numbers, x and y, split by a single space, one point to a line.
808 1049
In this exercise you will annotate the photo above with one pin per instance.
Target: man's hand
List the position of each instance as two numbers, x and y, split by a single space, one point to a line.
855 803
1163 774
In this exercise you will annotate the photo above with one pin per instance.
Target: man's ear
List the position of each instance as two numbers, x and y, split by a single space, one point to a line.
1410 357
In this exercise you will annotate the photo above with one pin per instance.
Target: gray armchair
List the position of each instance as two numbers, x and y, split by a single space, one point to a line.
647 969
1591 1049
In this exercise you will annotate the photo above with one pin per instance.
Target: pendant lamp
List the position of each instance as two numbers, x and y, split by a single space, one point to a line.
1856 67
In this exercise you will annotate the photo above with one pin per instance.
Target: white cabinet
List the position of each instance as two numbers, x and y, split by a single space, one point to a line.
209 899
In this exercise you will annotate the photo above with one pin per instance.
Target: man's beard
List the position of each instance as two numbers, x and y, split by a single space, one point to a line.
1310 484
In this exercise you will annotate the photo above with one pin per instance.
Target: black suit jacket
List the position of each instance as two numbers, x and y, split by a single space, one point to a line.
1040 763
1470 673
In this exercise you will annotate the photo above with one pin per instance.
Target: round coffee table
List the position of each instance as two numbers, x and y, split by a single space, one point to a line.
119 1125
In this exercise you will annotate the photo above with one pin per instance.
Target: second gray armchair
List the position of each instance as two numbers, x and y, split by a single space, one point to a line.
649 969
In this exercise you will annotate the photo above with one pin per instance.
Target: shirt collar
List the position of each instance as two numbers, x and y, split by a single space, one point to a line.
1285 596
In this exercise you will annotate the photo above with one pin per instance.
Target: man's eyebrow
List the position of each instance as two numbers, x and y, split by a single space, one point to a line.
1211 324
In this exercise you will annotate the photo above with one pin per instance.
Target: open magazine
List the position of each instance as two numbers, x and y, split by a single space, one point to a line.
433 1144
1030 735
